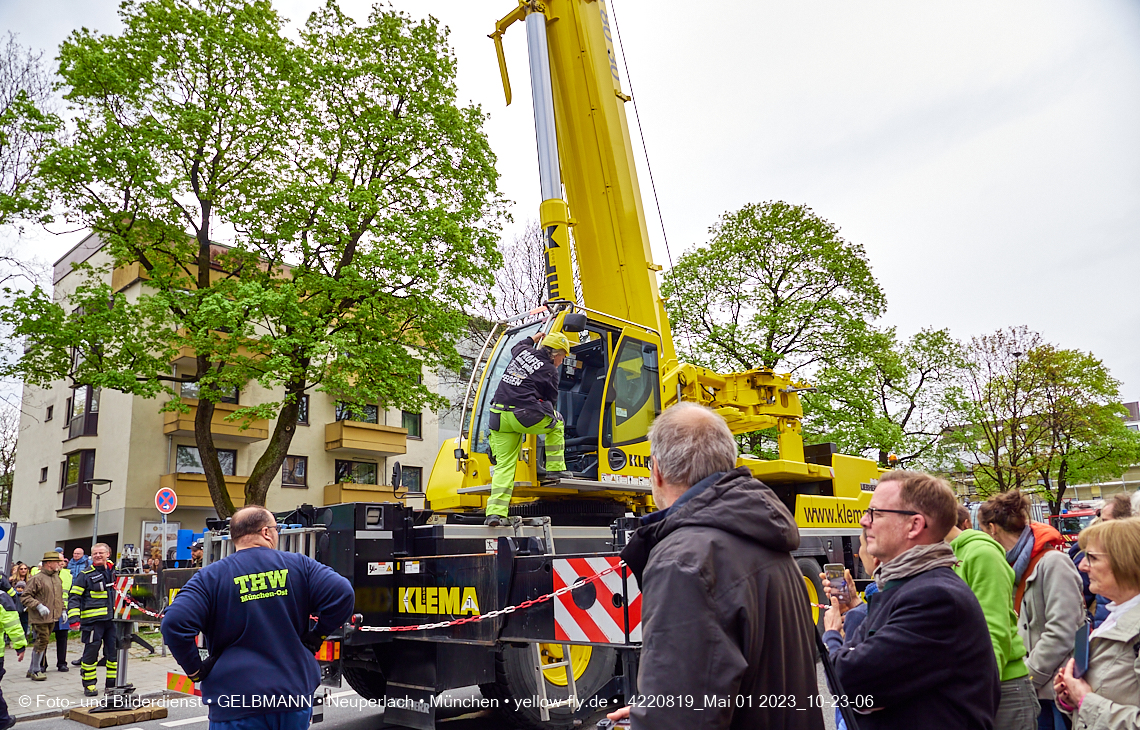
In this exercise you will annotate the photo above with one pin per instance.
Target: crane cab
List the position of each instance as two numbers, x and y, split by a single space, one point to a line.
609 392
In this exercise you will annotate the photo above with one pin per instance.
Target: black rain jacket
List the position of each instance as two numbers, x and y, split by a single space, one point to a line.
725 614
530 384
923 656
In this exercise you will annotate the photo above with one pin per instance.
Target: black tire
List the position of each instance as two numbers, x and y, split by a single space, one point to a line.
514 679
811 570
368 684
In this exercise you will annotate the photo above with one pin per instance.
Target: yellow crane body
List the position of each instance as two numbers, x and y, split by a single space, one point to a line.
623 368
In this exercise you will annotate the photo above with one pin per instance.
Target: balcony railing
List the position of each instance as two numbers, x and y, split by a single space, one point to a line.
182 424
192 490
86 424
77 495
366 438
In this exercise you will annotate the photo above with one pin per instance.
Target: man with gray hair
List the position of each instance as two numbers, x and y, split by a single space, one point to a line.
725 616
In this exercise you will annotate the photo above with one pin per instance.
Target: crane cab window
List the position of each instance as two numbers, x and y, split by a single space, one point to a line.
496 366
634 397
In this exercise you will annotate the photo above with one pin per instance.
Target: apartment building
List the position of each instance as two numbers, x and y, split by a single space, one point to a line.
71 436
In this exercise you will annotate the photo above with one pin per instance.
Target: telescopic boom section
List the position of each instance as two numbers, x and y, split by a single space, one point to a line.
579 109
580 118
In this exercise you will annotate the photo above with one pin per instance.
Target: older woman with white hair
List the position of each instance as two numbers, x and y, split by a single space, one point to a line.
1107 697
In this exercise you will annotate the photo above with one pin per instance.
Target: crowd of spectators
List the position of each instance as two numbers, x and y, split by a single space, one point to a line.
914 641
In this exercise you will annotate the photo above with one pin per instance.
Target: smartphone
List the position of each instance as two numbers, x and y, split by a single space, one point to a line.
837 576
1081 651
607 724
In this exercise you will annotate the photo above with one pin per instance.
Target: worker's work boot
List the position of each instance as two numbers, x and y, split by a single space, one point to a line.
90 691
496 521
553 477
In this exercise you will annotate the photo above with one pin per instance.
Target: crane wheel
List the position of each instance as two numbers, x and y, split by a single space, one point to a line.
811 570
515 679
368 684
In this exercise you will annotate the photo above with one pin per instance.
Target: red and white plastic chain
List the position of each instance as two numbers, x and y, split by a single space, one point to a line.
137 607
501 611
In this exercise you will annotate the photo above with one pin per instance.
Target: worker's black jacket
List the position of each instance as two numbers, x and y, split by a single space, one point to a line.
92 596
724 613
529 384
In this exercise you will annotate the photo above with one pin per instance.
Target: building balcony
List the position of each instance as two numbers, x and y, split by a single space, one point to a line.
365 438
186 358
182 424
192 490
77 501
124 276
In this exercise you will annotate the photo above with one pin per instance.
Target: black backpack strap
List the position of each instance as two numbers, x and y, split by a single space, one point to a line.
846 710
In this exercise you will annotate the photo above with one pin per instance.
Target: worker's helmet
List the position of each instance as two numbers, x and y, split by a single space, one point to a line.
557 341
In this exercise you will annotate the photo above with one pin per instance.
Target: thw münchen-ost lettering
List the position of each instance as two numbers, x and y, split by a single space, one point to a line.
254 586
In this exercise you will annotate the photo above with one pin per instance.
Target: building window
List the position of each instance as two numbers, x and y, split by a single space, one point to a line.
303 411
359 413
189 461
357 472
1133 427
84 417
295 471
467 369
50 413
194 390
413 422
74 481
43 474
67 413
412 478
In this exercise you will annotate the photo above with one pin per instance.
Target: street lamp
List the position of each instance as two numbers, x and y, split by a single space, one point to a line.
98 483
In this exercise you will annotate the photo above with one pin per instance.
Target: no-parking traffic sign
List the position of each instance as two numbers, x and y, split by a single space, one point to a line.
165 500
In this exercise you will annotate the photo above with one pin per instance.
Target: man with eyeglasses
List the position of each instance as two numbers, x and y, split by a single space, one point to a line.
922 657
254 609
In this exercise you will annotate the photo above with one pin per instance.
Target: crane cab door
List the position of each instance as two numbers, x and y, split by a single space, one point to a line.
609 395
633 400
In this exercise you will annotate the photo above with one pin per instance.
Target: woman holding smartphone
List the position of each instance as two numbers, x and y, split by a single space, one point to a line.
1107 695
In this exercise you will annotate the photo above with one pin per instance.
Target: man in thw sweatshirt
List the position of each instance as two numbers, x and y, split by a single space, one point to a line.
253 608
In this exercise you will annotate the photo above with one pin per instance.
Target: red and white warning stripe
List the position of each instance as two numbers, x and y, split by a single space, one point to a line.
604 620
123 585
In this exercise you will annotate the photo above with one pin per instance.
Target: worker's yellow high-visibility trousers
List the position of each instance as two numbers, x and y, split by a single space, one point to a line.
506 443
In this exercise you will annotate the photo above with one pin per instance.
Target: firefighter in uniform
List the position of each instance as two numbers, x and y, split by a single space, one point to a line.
524 404
91 602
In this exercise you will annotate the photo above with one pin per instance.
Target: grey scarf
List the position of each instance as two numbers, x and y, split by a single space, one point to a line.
917 559
1019 556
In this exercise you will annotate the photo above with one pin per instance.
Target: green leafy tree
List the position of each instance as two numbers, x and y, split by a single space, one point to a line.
888 398
775 287
1081 413
27 129
360 196
999 440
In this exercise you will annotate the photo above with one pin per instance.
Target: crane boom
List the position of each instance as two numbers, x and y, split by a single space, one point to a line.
579 102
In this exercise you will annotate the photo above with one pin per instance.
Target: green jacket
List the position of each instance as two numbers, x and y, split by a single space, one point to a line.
10 617
982 564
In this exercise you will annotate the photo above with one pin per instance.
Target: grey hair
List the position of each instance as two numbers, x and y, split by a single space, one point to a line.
690 442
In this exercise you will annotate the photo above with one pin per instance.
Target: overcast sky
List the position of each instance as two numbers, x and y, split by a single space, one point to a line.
986 155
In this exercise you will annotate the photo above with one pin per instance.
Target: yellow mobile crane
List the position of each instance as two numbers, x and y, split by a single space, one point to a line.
432 572
624 369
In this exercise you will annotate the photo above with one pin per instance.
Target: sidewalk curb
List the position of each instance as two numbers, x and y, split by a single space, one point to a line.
47 714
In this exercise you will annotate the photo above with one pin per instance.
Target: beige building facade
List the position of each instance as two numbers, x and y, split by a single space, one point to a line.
70 436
